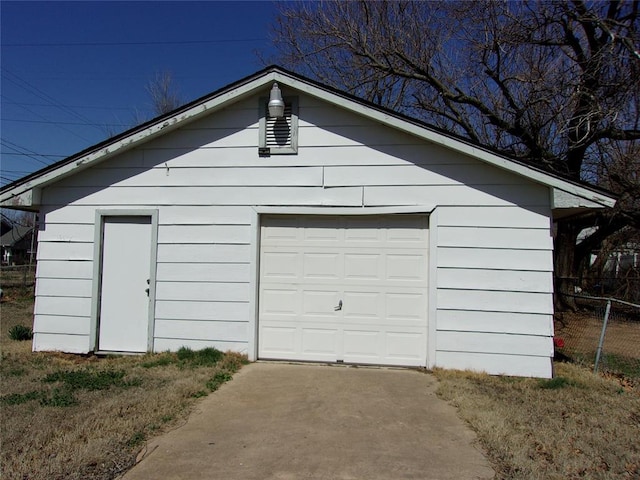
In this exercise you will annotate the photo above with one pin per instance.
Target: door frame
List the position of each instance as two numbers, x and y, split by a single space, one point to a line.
100 215
256 226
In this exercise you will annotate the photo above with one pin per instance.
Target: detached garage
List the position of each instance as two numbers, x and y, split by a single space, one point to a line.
330 231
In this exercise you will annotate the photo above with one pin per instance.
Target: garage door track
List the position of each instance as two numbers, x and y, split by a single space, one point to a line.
283 421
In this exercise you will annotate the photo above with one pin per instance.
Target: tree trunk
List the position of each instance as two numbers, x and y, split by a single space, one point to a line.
565 275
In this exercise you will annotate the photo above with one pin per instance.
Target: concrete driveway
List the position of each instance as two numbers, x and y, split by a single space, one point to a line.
283 421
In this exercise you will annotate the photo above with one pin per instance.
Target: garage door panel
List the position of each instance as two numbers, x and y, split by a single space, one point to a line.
278 341
365 306
408 307
406 268
280 265
359 266
376 265
406 347
320 304
327 266
362 346
319 342
280 302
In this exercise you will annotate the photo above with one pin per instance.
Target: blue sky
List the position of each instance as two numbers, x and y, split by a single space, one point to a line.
74 73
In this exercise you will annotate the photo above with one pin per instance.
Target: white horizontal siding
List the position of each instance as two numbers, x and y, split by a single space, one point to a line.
71 287
208 234
60 342
205 215
204 253
65 306
60 324
204 176
169 215
66 233
490 301
63 270
203 292
120 196
408 174
216 330
497 364
529 195
506 217
65 251
499 259
328 155
211 311
501 343
173 344
208 272
499 280
495 322
483 237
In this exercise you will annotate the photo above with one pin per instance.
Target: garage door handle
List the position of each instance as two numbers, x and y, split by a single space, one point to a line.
339 306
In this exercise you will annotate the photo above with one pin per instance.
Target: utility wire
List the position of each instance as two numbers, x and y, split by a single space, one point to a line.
64 123
43 95
59 126
88 107
18 149
112 44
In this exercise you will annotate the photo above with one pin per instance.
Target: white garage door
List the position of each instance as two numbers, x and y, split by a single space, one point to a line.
347 288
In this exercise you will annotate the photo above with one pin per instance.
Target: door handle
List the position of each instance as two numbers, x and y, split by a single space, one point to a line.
147 289
338 307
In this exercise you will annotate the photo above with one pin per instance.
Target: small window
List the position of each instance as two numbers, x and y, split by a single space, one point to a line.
279 136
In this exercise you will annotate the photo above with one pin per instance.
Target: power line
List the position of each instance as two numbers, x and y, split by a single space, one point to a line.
43 95
36 154
58 125
114 44
92 107
19 149
65 123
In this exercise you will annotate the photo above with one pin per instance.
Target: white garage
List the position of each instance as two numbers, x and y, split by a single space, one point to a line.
344 289
331 230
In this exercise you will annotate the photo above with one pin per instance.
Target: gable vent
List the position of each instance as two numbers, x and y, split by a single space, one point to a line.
278 130
279 136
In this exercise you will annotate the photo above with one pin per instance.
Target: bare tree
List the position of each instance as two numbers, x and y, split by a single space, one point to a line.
554 84
163 93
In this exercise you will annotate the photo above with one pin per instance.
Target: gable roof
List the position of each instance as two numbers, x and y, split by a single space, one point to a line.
24 192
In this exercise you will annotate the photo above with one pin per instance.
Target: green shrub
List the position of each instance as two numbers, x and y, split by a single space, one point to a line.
20 333
199 358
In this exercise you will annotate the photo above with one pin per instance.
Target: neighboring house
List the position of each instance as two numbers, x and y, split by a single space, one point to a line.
15 245
342 232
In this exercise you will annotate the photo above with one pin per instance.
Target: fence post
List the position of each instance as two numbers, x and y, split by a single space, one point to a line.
604 329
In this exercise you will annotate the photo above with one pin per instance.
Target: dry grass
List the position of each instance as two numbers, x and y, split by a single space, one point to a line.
575 426
94 428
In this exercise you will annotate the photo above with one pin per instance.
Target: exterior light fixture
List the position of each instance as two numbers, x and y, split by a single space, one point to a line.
276 103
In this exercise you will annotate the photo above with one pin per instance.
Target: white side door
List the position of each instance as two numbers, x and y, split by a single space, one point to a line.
123 322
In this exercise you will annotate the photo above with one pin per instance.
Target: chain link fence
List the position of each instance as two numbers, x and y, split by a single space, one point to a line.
604 334
17 276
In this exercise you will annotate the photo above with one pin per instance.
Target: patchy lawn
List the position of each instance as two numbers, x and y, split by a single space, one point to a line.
76 417
576 425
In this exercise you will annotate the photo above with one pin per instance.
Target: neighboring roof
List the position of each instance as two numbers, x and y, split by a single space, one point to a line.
25 191
14 235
